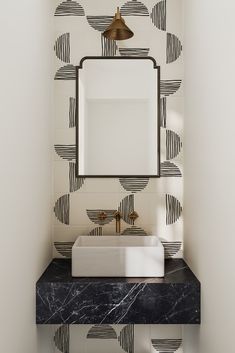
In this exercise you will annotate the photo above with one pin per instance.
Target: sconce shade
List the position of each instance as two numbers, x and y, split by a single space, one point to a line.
118 30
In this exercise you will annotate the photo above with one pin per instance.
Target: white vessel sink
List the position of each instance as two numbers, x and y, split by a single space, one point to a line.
117 256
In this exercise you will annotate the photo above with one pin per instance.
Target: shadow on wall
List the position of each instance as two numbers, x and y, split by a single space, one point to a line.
191 344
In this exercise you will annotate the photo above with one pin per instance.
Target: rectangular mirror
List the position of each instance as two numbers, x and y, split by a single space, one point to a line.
117 117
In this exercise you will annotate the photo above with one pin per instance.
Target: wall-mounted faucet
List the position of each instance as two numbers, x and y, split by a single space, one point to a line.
117 215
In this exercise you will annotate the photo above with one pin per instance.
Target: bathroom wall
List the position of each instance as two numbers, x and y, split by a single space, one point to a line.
77 201
210 174
158 33
26 171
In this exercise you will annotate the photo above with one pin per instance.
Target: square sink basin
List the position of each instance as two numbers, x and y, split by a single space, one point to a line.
118 256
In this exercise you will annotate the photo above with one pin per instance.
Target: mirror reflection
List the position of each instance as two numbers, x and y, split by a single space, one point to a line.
118 117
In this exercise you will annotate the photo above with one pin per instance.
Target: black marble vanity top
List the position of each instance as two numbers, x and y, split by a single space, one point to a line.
174 299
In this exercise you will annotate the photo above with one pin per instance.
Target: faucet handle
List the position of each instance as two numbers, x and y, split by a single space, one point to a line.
133 215
102 216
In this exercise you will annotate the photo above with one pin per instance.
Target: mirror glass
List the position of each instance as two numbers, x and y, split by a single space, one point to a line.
117 117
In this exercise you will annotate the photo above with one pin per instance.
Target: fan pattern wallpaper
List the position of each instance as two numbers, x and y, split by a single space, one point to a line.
157 26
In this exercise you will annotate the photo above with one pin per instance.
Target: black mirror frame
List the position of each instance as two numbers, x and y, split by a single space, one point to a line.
79 67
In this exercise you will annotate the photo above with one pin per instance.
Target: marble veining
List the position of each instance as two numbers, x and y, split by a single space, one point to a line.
62 299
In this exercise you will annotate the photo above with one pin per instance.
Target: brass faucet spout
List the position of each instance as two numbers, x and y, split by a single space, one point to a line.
118 216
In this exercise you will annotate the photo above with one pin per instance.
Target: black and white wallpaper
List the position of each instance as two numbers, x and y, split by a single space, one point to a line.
118 339
157 26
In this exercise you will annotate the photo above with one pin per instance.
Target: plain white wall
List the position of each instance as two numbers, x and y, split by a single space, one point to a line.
25 168
209 212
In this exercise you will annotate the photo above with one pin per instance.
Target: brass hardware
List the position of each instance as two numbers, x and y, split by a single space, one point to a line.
118 30
102 216
117 215
133 216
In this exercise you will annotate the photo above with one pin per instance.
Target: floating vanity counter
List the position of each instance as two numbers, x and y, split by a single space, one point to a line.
63 299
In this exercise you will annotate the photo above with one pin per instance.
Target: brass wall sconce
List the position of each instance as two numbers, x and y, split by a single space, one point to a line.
118 30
